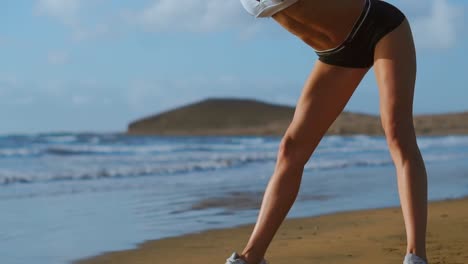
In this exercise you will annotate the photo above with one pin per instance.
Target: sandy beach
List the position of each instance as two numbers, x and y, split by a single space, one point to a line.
368 236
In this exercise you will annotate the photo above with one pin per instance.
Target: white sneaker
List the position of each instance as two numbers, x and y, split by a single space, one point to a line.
235 259
413 259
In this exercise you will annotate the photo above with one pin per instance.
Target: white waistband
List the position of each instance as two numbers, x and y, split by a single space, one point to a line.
266 8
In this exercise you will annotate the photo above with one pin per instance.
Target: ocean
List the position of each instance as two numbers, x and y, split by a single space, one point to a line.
66 196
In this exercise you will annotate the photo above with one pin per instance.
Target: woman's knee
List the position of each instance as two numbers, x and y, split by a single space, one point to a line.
400 135
292 153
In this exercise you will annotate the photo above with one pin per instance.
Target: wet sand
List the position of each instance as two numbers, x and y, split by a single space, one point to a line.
358 237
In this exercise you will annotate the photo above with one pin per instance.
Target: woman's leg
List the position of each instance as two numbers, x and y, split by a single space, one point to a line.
395 70
325 94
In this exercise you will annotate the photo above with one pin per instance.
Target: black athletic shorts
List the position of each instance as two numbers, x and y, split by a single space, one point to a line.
377 19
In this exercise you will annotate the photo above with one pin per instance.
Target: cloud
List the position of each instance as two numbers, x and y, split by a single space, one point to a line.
8 81
94 19
81 92
23 100
191 15
80 99
84 18
15 91
64 10
91 33
57 57
436 24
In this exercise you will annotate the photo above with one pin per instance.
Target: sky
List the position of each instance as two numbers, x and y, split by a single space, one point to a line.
97 65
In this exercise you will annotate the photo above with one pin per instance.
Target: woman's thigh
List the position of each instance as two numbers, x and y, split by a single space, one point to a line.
395 70
324 96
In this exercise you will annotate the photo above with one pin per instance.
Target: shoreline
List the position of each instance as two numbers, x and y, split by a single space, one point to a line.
361 236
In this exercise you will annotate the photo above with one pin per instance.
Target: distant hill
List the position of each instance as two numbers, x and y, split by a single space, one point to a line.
251 117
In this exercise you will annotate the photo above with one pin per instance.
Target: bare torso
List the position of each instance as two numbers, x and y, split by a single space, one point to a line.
321 24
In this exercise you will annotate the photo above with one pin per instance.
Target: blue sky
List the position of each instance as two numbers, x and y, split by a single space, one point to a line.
96 65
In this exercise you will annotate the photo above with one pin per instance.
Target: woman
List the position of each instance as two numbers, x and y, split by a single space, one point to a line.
349 37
